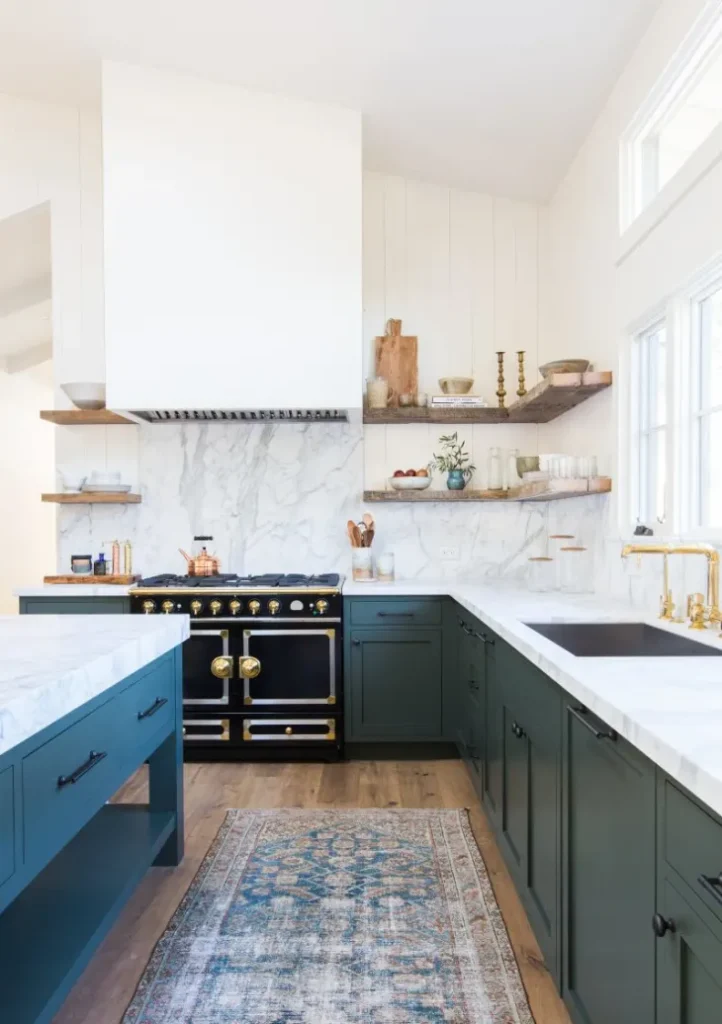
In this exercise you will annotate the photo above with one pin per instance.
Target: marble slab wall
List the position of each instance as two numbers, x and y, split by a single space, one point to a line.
277 498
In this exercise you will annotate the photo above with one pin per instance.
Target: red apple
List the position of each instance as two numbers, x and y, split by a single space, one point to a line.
399 472
410 472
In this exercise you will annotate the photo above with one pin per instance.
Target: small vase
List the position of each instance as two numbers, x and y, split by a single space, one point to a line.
456 480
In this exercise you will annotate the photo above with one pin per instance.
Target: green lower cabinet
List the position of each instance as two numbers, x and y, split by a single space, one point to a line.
74 605
608 875
471 683
393 686
689 959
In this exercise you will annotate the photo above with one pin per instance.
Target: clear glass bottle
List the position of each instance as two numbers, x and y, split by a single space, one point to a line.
495 481
512 478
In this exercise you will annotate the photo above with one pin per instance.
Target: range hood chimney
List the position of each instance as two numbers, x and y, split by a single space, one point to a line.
232 232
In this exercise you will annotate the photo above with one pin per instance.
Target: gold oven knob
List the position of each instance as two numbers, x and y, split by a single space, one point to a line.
149 607
235 607
289 731
321 606
215 607
222 667
167 607
249 667
196 607
254 607
274 607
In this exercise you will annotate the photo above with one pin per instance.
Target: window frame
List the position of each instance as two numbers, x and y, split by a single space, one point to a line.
639 191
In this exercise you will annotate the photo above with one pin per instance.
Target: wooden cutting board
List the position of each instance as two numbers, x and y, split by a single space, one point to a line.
397 361
121 581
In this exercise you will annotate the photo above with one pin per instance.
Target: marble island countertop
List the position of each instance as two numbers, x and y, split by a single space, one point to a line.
52 664
73 590
670 708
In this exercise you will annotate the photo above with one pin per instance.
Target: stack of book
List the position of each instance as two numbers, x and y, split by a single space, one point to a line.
458 402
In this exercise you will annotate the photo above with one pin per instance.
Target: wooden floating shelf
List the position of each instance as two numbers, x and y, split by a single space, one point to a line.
549 399
545 490
85 417
93 498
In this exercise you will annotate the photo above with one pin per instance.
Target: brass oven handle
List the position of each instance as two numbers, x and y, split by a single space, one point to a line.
249 667
222 667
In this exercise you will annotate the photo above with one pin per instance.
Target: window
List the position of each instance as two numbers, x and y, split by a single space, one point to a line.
706 406
681 113
649 427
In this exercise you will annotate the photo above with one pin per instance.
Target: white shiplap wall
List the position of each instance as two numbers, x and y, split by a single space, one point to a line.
461 270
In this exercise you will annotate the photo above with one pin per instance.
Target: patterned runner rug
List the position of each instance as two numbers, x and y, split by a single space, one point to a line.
336 917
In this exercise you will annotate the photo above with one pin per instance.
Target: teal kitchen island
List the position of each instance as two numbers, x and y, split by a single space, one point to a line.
84 701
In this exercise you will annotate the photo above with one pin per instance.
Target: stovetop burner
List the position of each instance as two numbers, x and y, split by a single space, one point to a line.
233 581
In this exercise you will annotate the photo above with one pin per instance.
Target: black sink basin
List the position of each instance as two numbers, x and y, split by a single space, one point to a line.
620 640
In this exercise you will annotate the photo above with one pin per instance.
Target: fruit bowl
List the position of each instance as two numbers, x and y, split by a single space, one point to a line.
564 366
409 483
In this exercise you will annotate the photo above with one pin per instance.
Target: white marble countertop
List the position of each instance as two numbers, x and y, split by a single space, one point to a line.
73 590
670 708
52 664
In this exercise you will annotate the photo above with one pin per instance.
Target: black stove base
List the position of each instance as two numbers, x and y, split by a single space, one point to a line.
263 736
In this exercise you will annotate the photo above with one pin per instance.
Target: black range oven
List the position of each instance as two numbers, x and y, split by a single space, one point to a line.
262 670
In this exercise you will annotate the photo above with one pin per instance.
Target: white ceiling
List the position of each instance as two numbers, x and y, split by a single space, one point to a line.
491 95
25 283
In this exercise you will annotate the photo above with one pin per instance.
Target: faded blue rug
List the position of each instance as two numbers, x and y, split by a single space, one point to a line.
336 917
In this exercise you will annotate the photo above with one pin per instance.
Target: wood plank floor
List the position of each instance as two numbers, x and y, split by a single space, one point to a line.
106 987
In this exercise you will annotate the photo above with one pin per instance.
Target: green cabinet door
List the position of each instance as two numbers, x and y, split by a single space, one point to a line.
493 753
608 875
393 688
689 960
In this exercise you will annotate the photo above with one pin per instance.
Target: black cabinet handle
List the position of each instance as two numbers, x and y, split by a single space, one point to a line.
517 730
95 757
472 684
661 925
356 643
483 637
155 706
395 615
712 884
579 713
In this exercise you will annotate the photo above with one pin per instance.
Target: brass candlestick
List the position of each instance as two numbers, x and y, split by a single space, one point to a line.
500 392
521 390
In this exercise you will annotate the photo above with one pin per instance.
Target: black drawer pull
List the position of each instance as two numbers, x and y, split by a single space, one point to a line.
517 730
356 643
483 637
95 757
712 884
472 684
662 925
395 615
155 706
579 714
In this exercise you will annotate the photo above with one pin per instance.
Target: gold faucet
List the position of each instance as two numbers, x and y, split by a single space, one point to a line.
711 554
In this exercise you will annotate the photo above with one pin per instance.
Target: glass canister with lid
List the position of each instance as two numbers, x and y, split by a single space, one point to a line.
541 576
575 570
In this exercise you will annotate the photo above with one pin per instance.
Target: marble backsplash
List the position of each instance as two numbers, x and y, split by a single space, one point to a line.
277 498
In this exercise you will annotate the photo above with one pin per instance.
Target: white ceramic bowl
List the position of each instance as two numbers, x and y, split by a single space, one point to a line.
85 395
456 385
410 483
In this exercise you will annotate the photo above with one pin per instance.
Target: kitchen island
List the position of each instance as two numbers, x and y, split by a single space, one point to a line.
84 701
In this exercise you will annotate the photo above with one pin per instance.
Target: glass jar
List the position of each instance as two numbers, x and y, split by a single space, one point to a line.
540 574
495 482
575 570
385 567
512 478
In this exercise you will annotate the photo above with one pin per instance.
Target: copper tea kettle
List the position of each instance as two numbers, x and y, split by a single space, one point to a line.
202 564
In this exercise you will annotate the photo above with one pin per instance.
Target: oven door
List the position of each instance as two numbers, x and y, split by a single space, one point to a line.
207 668
290 667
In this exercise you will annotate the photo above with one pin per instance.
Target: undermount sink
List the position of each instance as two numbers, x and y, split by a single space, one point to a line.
620 640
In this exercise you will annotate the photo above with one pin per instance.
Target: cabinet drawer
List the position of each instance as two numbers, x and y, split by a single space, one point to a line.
691 843
395 613
7 824
66 781
147 708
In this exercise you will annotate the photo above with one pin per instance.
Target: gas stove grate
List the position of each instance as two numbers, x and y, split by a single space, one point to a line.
231 580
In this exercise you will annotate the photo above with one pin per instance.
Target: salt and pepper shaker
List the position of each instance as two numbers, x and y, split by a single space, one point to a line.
127 558
115 557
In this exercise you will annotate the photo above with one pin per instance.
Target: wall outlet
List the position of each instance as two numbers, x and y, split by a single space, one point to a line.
449 554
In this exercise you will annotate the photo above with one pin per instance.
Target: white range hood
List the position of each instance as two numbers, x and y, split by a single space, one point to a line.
232 224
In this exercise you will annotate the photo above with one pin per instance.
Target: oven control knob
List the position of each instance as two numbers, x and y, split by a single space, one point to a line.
321 606
254 607
149 607
215 607
195 607
274 607
235 607
167 607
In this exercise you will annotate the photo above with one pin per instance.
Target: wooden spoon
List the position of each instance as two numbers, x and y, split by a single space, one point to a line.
351 530
358 539
368 521
369 536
